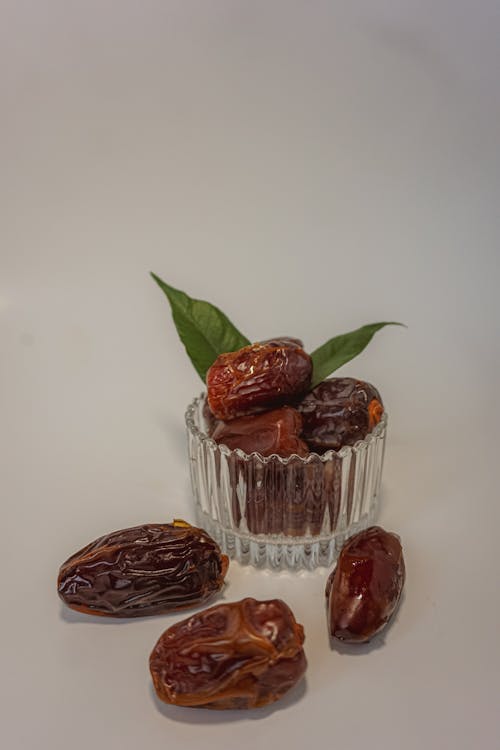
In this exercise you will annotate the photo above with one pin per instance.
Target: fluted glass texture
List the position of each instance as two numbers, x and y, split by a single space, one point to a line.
283 512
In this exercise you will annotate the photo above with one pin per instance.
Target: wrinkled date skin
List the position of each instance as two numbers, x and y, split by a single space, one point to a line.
338 412
272 432
239 655
144 570
258 377
364 589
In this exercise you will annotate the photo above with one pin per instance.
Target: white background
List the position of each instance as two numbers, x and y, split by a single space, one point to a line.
309 167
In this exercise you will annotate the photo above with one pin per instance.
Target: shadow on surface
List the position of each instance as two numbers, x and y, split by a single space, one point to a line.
210 716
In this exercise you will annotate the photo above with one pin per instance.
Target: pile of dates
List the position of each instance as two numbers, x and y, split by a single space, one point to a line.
248 653
260 400
241 654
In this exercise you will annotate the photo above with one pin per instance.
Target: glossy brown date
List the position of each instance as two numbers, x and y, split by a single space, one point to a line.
364 589
239 655
284 341
144 570
338 412
271 432
258 377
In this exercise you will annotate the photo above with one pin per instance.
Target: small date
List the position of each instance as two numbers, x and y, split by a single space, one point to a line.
364 589
243 654
338 412
272 432
144 570
258 377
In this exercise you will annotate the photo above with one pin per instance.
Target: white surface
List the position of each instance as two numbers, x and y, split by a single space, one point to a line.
309 167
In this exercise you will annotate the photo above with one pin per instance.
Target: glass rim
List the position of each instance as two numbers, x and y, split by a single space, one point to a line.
312 457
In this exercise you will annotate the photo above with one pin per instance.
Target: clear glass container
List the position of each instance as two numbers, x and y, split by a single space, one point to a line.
283 513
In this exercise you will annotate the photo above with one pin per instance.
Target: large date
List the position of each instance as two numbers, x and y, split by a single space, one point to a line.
258 377
144 570
338 412
364 589
239 655
272 432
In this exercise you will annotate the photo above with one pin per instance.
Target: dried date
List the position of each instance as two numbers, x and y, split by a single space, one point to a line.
364 589
258 377
338 412
239 655
144 570
271 432
284 341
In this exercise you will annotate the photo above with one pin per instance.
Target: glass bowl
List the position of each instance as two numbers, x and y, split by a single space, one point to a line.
283 513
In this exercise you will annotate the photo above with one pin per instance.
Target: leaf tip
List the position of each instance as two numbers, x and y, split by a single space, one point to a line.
390 323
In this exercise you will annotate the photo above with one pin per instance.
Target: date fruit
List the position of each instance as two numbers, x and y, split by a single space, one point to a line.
239 655
339 411
272 432
364 589
144 570
258 377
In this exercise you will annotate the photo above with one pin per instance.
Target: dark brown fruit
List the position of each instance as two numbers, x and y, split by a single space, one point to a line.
272 432
284 341
339 411
239 655
364 589
258 377
144 570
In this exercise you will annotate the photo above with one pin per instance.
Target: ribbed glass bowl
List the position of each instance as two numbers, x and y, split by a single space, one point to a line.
283 513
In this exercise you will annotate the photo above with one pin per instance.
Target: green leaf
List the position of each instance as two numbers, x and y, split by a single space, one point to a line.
341 349
203 329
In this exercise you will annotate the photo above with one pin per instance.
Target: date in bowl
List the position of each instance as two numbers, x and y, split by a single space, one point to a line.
283 513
